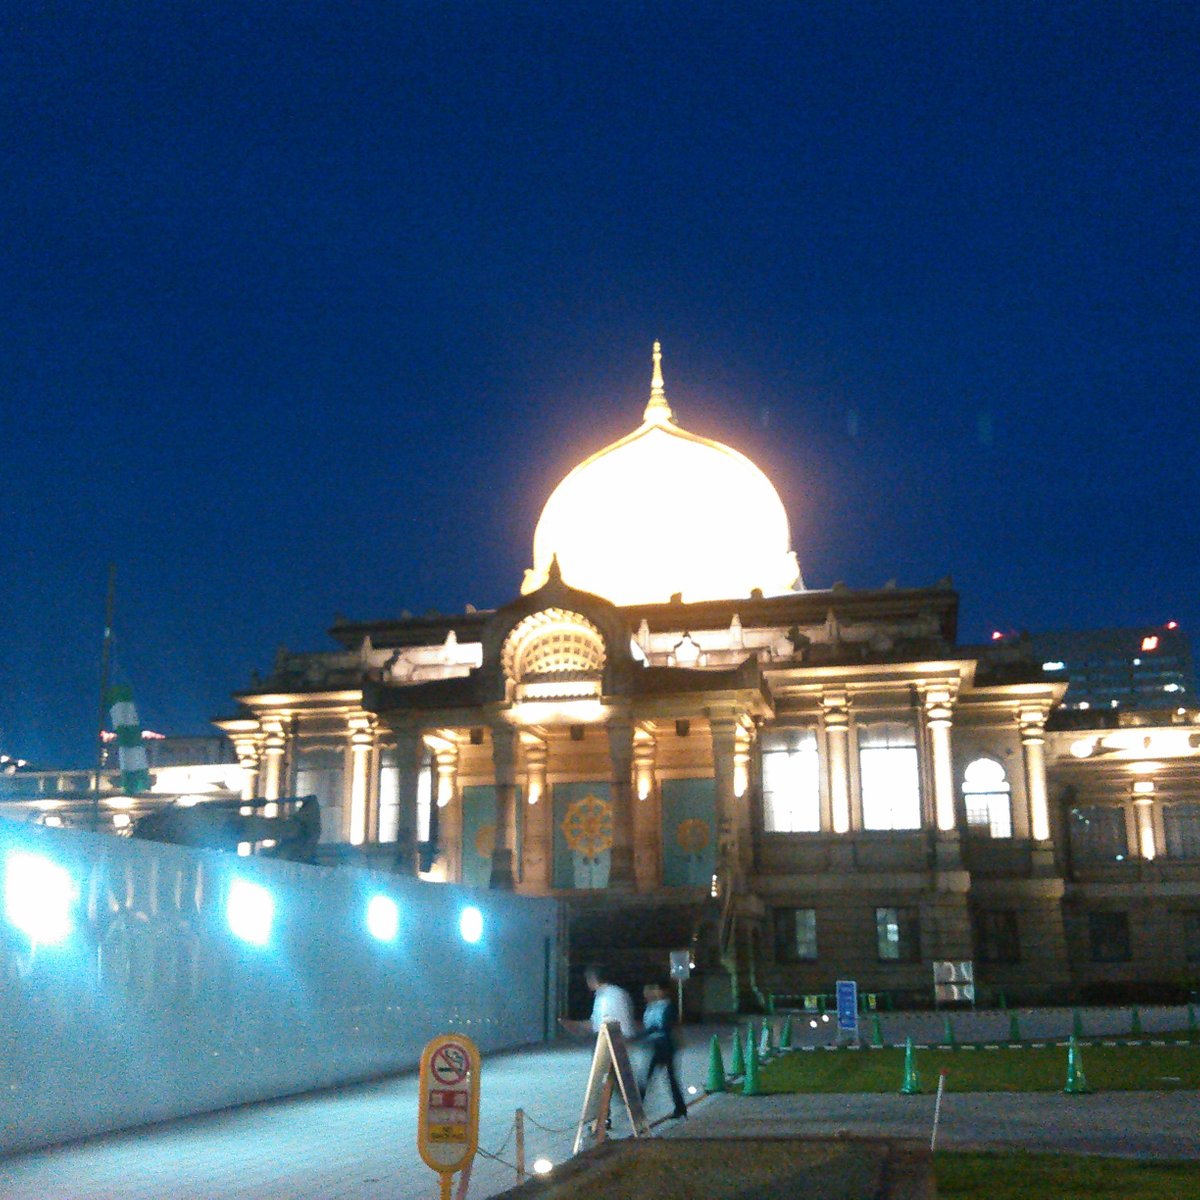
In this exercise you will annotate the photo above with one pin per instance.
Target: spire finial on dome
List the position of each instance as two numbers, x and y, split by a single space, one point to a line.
658 410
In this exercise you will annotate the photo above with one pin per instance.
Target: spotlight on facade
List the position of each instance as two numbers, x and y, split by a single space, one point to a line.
542 1166
470 924
38 895
250 911
383 918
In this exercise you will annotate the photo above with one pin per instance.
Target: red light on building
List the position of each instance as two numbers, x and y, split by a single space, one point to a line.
996 635
1150 642
1172 624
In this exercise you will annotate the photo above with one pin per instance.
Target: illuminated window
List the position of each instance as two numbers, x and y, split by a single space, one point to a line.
1150 643
889 776
320 772
986 793
389 794
553 641
791 782
795 935
898 934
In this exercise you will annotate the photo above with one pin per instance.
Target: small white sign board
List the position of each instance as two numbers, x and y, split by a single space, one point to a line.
609 1062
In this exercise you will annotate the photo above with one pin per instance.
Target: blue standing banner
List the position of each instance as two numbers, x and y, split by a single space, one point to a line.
847 1007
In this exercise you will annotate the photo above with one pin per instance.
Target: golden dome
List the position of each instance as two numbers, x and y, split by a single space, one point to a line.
663 511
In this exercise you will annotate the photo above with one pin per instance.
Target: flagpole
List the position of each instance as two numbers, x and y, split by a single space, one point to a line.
105 665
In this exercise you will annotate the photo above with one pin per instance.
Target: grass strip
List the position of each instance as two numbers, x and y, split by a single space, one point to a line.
1019 1175
1107 1068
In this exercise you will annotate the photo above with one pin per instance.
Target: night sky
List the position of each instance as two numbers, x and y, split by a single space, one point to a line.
306 308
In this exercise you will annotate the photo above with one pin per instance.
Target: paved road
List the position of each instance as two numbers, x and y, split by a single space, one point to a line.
358 1143
355 1143
1152 1124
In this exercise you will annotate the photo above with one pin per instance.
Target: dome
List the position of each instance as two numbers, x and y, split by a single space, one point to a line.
663 511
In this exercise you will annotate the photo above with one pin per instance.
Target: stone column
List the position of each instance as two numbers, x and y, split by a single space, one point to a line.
362 745
504 764
247 752
449 820
647 813
1143 807
1033 747
274 748
409 752
724 732
538 850
620 756
837 745
937 719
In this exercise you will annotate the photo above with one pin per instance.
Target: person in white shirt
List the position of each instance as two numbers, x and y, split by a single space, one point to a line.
611 1003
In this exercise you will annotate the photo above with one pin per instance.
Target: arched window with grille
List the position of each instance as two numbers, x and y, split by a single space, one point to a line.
988 798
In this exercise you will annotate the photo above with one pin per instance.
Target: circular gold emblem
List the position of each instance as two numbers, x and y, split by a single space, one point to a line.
692 835
485 840
587 826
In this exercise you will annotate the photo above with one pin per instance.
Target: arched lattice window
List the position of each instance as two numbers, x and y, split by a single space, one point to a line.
987 796
552 642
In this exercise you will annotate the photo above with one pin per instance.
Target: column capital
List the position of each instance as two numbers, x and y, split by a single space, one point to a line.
362 731
1031 721
938 703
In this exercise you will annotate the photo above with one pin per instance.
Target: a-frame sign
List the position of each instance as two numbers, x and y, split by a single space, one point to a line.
609 1062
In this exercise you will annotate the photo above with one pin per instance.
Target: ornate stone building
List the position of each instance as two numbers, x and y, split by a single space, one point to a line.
692 749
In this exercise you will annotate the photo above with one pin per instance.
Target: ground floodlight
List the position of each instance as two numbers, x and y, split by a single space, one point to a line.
542 1166
250 910
470 924
383 918
38 895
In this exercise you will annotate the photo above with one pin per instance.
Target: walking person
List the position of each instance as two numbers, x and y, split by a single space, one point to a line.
611 1003
659 1024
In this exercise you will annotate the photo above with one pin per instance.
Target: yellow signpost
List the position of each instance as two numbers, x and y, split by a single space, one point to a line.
448 1120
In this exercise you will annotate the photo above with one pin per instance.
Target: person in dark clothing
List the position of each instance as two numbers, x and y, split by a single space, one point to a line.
658 1032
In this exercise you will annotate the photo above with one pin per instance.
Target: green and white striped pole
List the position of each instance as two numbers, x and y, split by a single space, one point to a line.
131 753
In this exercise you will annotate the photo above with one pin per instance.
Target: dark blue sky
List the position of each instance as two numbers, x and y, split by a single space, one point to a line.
305 308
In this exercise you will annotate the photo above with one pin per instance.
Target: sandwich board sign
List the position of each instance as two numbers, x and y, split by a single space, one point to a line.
610 1063
448 1117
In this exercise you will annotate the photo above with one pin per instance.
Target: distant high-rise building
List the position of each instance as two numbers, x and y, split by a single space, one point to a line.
1144 666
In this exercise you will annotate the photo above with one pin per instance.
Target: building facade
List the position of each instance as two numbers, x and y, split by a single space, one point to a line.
692 750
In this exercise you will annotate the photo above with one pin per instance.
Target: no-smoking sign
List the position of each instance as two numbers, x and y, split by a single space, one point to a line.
450 1063
448 1120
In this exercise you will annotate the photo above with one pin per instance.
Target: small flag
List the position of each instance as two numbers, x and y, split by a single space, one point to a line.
131 754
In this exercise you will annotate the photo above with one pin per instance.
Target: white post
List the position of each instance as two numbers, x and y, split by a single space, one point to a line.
937 1108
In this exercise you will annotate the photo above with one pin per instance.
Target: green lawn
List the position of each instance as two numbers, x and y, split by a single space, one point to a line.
1107 1068
1016 1175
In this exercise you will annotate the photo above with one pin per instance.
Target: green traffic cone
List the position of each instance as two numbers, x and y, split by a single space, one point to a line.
876 1030
1076 1083
912 1081
737 1062
1135 1022
766 1041
1014 1028
771 1003
750 1083
716 1067
785 1038
1076 1023
949 1033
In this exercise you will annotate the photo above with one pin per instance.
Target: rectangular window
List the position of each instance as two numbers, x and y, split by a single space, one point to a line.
990 814
1191 935
1181 823
889 776
898 934
795 935
1108 936
320 772
389 794
998 938
791 782
1098 834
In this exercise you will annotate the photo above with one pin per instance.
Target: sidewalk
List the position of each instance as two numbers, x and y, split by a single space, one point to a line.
353 1143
